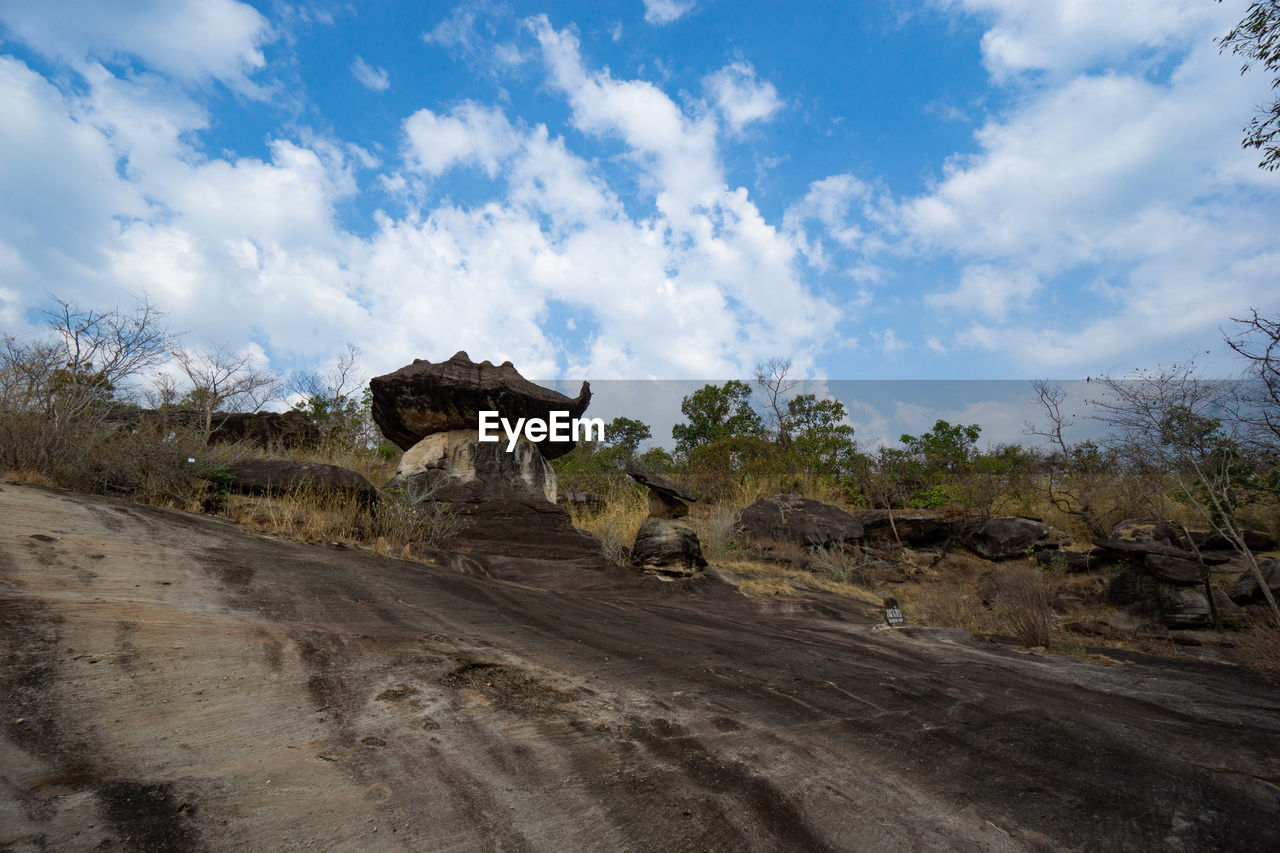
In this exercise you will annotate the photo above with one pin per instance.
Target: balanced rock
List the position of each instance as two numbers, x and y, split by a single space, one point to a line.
425 398
667 498
792 518
1004 538
1174 570
667 546
281 476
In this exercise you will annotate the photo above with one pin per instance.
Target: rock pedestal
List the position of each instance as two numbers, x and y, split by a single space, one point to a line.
504 503
666 544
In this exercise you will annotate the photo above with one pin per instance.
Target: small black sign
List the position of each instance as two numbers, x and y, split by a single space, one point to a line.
893 613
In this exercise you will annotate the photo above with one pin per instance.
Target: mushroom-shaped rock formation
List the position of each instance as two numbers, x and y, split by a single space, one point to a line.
666 544
424 398
667 498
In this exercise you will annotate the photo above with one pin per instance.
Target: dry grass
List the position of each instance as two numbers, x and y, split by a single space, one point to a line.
395 528
626 507
781 580
765 587
1260 648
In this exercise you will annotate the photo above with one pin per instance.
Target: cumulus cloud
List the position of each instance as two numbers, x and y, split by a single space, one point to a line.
190 40
666 11
469 134
374 79
741 98
1070 36
1102 172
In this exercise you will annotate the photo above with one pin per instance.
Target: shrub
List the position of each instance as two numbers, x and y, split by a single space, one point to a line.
1024 597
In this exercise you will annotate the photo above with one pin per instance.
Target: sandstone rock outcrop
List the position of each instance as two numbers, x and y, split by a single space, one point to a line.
1168 582
424 398
666 544
1004 538
806 522
281 476
913 526
503 502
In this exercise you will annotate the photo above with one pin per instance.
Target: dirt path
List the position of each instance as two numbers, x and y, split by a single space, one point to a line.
171 682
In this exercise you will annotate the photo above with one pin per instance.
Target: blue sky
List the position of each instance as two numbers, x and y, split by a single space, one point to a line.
676 189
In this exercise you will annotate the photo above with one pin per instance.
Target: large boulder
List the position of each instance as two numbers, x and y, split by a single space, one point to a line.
425 398
504 503
667 498
1151 530
1174 570
1004 538
1257 540
280 476
1246 588
913 526
667 546
1183 606
792 518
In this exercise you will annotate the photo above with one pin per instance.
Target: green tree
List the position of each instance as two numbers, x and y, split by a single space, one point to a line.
1257 39
626 434
820 439
716 412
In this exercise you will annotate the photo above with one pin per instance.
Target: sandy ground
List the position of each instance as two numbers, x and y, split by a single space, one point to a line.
172 682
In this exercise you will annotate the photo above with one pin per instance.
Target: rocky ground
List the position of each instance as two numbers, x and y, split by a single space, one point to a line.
171 682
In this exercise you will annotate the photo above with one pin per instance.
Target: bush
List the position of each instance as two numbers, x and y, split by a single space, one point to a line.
1024 597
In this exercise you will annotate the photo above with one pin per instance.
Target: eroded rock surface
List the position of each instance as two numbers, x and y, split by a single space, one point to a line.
424 398
1005 538
502 502
667 546
793 518
170 682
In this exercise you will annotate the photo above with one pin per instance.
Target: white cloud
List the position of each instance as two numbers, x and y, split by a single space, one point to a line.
666 11
1070 36
189 40
374 79
1104 176
988 291
469 134
741 98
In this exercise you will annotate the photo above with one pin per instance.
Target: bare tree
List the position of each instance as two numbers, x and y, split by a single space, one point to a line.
1258 341
771 376
88 358
223 379
1175 419
1079 476
333 400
